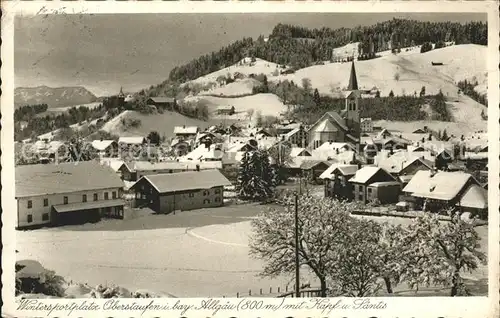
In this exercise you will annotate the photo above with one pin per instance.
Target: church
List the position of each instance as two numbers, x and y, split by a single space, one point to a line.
339 127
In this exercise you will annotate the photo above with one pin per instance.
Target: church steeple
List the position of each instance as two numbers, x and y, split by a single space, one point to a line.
353 81
121 93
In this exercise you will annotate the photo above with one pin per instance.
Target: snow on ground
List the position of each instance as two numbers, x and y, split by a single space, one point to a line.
405 72
345 51
246 68
267 104
162 123
162 259
237 88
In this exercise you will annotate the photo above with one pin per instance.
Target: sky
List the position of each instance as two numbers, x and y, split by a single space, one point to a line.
104 52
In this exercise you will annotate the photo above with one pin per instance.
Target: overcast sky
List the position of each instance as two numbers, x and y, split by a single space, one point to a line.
104 52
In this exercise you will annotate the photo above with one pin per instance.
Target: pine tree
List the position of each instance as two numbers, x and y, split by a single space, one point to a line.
422 91
391 94
316 97
256 179
444 136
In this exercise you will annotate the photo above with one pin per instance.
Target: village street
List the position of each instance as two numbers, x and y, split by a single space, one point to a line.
197 253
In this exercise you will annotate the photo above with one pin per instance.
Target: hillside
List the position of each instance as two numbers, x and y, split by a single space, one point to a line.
403 73
266 104
53 96
162 123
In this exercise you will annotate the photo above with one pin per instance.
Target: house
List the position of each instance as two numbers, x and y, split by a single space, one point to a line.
312 169
475 201
225 110
402 163
66 193
133 171
368 175
434 191
366 125
127 142
106 148
336 180
411 166
166 193
420 131
297 136
340 151
183 132
162 102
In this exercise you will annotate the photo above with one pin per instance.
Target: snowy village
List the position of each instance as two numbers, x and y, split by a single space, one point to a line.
358 168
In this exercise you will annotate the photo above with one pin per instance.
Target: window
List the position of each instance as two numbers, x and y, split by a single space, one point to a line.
65 200
114 194
206 192
30 218
45 202
84 198
369 190
96 196
45 217
206 201
106 196
30 204
191 194
217 199
360 197
217 191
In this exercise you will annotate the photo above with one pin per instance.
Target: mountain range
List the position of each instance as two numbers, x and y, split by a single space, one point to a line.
53 96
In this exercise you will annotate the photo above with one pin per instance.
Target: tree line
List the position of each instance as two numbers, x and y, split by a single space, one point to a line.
467 87
300 47
29 111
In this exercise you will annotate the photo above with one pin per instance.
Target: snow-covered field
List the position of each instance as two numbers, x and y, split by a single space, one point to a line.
267 104
405 72
197 253
237 88
184 261
246 68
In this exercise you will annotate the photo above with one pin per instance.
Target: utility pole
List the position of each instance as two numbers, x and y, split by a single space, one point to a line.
297 263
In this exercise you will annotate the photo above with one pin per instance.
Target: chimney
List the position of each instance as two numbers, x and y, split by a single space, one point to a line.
359 165
197 167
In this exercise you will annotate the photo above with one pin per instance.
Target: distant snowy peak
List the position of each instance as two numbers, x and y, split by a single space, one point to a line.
53 97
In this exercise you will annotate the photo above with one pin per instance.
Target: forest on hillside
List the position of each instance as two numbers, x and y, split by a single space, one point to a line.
300 47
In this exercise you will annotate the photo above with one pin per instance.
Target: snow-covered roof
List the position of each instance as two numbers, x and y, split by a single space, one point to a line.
191 130
136 140
203 153
298 151
364 174
441 185
475 197
344 169
102 144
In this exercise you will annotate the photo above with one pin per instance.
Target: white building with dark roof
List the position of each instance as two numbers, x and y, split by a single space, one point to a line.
66 193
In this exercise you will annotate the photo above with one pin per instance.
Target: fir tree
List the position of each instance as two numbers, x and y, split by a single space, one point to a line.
391 93
444 136
256 179
422 91
316 97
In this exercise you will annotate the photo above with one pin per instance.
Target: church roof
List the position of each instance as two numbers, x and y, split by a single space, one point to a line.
353 81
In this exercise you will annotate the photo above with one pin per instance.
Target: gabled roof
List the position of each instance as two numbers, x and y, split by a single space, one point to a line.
331 116
44 179
132 140
475 197
345 170
298 151
192 130
309 164
429 164
442 185
161 100
183 181
364 174
102 144
202 153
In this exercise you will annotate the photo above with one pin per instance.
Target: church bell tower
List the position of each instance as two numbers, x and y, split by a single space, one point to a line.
351 112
